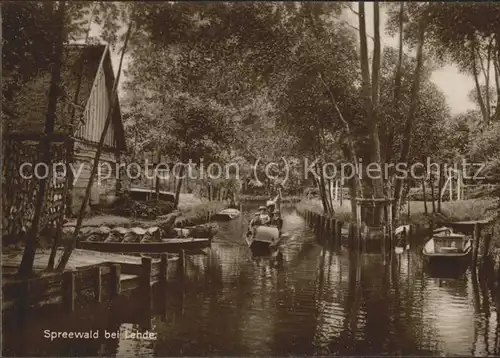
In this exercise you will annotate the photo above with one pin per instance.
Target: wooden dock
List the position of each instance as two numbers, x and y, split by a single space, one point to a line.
90 277
482 232
468 227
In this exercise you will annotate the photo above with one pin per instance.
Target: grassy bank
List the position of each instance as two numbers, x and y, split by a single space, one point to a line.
464 210
342 213
198 213
262 198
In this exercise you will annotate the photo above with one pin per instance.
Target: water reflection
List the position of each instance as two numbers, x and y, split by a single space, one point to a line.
318 302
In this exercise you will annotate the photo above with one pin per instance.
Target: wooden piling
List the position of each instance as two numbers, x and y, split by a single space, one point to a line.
69 290
146 264
145 280
98 285
116 286
333 231
182 261
163 267
476 245
384 242
326 228
487 244
338 232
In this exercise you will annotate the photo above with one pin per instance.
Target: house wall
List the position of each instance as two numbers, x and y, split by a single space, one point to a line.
96 112
106 181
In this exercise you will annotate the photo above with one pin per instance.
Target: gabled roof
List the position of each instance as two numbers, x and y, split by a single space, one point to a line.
32 101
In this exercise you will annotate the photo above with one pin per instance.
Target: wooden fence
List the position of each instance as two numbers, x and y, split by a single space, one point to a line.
20 190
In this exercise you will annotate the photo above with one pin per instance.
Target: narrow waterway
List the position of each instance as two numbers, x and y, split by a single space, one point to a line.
319 302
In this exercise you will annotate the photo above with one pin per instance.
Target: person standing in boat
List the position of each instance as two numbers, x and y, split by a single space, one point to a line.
276 219
270 208
261 218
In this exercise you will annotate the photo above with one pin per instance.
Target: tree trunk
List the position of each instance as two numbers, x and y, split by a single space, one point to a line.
67 253
397 86
370 93
348 150
341 192
179 179
60 221
324 192
496 67
424 189
405 147
178 187
26 266
432 193
440 186
482 105
69 176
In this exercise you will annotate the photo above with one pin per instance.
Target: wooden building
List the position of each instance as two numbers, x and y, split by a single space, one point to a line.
87 75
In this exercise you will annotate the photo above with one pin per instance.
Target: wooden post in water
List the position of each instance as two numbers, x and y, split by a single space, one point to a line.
333 231
146 264
182 261
350 237
338 231
98 284
389 224
476 239
326 228
116 285
487 244
69 290
384 243
163 267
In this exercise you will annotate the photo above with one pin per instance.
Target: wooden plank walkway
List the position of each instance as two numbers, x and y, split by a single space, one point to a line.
79 258
98 274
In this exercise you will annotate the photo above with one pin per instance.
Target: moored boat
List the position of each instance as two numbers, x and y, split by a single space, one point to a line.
448 248
150 240
401 239
227 214
165 245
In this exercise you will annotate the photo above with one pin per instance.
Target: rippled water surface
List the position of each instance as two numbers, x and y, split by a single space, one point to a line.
318 302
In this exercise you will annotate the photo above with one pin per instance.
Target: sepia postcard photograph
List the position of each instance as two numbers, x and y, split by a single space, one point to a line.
250 178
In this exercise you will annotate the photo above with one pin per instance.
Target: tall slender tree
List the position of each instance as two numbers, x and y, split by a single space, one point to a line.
27 262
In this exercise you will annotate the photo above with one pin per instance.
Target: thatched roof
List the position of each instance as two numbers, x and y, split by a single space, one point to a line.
30 104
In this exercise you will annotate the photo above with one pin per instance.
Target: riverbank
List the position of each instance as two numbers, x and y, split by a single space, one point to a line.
464 210
262 198
342 212
191 211
198 212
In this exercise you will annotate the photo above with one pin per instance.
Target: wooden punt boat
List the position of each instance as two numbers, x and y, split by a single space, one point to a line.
401 239
447 248
165 245
265 239
227 214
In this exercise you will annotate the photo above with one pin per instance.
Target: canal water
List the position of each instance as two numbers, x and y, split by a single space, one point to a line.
317 302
